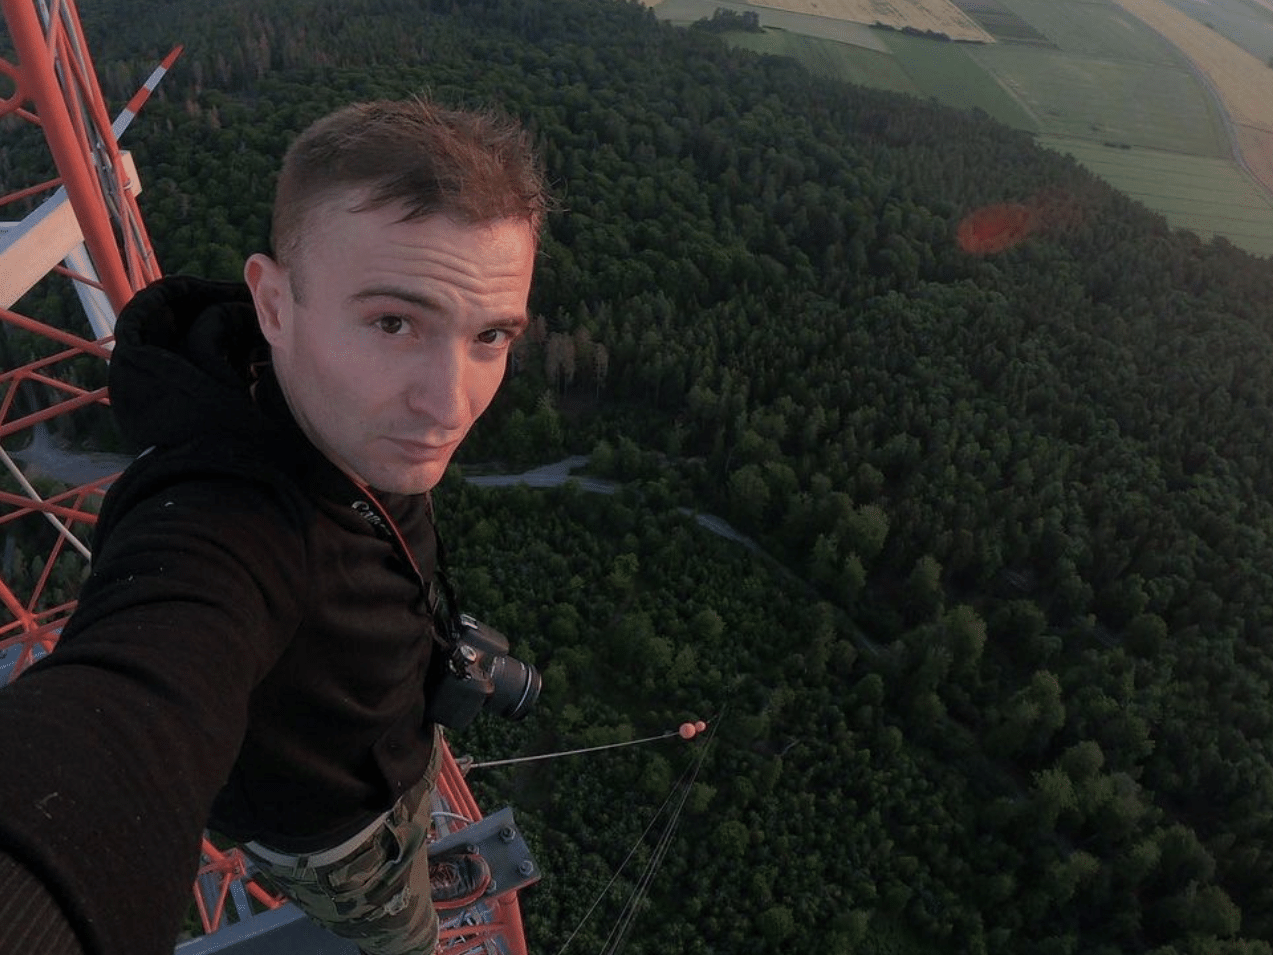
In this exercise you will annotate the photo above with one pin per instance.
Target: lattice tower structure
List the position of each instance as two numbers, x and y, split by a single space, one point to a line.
81 230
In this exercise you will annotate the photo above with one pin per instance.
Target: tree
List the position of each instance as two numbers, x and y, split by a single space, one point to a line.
1200 910
1052 794
544 428
775 924
966 636
1030 718
749 494
1083 760
1146 634
732 839
600 366
924 592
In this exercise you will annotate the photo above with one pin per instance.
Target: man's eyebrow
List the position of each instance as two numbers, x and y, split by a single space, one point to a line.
403 295
515 321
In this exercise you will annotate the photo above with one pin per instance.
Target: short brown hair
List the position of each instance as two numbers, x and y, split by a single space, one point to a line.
476 166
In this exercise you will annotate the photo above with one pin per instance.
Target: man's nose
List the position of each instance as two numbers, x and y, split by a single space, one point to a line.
438 391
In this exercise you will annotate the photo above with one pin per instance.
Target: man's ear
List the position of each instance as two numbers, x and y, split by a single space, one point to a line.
271 293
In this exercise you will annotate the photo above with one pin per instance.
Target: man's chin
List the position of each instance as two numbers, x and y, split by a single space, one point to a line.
417 480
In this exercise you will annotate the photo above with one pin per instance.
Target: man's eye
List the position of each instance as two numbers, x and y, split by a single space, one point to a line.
391 324
494 336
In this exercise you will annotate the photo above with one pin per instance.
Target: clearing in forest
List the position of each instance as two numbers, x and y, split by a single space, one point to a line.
937 16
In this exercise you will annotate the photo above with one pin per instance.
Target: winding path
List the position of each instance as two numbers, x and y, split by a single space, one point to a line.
555 475
43 457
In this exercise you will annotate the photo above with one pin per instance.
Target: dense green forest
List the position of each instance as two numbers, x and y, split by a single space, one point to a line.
999 678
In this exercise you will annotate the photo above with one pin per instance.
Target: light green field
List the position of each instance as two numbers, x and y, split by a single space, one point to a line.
948 72
1097 30
1249 26
1155 107
1208 196
841 61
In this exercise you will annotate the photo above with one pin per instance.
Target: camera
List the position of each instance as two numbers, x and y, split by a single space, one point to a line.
473 671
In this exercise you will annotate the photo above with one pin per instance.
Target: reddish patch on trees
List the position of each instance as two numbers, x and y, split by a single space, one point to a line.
994 228
1002 225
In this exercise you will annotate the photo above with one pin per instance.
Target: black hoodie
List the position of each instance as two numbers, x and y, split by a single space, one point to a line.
248 652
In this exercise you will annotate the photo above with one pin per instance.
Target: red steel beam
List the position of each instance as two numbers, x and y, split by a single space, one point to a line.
36 53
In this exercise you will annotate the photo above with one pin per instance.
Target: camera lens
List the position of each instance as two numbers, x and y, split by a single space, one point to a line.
516 687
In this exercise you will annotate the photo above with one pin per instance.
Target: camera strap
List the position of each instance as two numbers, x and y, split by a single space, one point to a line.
439 597
296 455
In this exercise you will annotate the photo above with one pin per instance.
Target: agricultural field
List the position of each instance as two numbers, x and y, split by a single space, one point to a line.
1003 24
1088 98
1243 83
938 16
1256 146
866 66
685 12
950 73
1242 22
1208 196
1132 88
1100 30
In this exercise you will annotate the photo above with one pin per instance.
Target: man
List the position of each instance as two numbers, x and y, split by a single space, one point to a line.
252 649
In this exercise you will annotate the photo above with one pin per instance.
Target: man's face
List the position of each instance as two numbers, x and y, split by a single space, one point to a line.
390 338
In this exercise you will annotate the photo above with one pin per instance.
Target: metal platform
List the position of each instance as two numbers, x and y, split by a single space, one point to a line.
287 930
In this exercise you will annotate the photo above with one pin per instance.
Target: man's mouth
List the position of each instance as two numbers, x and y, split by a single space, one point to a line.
420 451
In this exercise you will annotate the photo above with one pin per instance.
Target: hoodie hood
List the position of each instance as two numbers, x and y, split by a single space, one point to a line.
191 374
183 362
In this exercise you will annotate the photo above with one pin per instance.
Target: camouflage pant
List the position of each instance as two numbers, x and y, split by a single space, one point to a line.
376 894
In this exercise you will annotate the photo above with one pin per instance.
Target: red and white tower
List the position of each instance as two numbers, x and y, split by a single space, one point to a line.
81 226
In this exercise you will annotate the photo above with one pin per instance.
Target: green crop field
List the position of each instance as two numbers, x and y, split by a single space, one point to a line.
948 72
1156 107
1207 196
1097 30
841 61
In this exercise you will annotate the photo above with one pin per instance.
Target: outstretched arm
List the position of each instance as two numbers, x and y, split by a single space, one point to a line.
115 745
30 919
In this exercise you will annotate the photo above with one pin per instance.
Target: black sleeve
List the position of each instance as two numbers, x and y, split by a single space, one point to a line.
113 747
30 920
